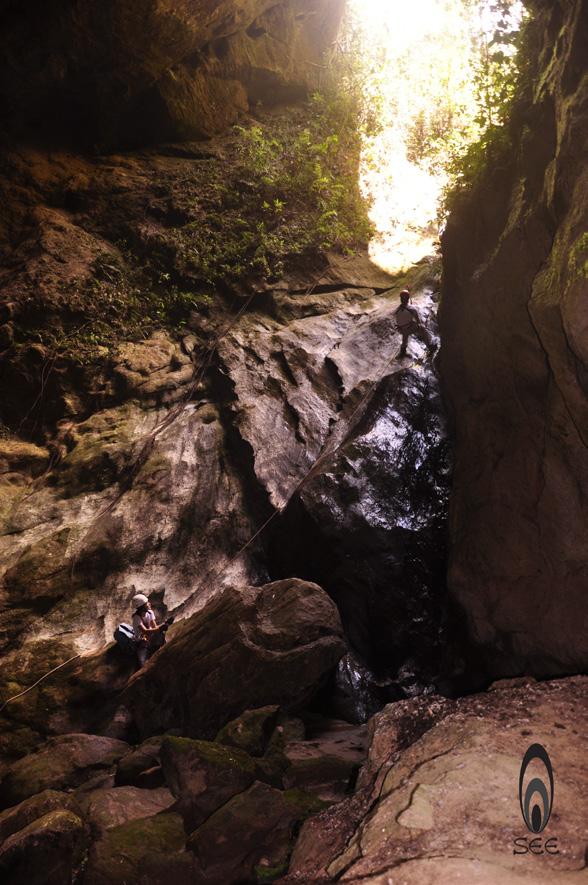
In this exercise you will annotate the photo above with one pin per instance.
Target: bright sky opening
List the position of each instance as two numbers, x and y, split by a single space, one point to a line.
418 57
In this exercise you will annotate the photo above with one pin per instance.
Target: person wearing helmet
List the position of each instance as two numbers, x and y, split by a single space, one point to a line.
147 631
408 322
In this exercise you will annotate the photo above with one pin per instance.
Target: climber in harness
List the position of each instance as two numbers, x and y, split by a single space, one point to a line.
408 322
149 635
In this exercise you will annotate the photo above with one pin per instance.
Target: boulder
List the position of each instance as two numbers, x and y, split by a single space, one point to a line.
282 639
49 851
107 808
150 851
27 811
65 761
251 731
438 798
203 776
250 837
327 763
141 767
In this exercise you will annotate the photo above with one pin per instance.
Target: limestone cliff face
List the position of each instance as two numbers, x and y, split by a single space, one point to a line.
514 323
108 72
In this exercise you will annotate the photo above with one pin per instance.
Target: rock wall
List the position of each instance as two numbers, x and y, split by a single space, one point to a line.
106 72
514 321
160 491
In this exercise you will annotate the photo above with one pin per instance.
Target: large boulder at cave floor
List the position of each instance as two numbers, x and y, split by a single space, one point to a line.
62 762
81 697
204 775
251 731
49 851
20 816
251 836
145 852
440 803
273 644
141 766
111 807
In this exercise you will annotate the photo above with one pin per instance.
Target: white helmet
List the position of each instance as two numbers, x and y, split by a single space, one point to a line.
139 600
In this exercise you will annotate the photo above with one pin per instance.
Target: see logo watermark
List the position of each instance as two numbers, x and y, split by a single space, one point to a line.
536 789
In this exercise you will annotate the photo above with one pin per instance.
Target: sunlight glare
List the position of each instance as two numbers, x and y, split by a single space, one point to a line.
418 56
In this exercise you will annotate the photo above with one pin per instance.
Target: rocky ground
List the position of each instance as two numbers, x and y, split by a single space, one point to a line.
437 800
428 794
304 412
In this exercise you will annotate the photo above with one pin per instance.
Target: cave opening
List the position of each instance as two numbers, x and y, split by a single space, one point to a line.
438 78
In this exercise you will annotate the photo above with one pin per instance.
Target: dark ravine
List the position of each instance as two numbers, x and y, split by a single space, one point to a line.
307 701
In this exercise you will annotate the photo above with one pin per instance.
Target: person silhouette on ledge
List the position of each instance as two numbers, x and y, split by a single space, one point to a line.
408 322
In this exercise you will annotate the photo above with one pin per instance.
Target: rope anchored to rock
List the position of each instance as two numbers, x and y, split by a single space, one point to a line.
328 451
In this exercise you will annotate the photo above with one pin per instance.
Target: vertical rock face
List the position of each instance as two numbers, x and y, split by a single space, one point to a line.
514 322
112 72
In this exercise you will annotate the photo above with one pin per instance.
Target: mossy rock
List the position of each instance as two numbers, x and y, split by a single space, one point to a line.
150 851
204 775
251 731
62 762
49 851
16 455
250 838
34 709
17 740
155 466
10 495
14 819
102 452
81 697
41 575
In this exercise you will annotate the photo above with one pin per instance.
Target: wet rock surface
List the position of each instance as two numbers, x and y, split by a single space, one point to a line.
371 522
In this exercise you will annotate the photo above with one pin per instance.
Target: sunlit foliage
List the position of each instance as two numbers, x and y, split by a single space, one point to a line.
441 75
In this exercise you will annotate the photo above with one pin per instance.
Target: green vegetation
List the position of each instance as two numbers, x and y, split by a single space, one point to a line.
578 260
441 78
290 193
280 191
499 64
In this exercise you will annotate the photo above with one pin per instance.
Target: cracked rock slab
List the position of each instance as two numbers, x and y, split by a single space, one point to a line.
444 807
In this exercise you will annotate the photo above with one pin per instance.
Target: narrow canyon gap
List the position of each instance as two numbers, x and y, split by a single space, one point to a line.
202 400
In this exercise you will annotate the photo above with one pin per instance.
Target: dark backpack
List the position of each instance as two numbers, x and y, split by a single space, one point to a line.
124 636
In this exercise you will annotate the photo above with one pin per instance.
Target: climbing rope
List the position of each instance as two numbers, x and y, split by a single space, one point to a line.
327 451
30 688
